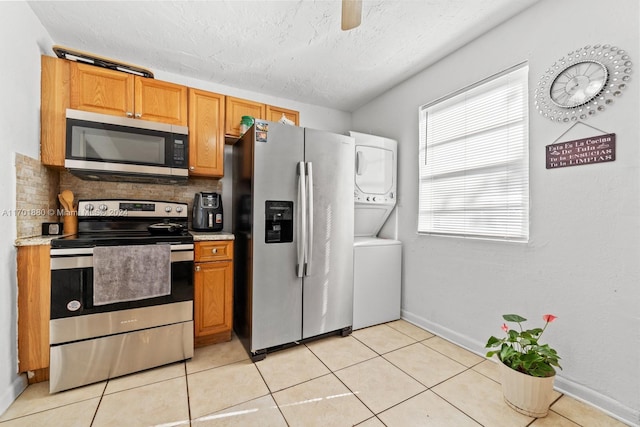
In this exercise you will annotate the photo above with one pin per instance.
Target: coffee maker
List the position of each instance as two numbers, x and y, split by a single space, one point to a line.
207 212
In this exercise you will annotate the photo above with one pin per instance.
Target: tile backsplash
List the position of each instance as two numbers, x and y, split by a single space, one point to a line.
183 193
36 196
37 189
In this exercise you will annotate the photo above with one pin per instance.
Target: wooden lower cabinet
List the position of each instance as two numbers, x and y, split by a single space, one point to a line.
34 307
213 292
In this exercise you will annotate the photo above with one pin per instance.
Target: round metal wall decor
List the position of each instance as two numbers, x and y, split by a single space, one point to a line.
584 83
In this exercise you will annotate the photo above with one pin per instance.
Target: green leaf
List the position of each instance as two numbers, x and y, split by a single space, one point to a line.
513 318
493 341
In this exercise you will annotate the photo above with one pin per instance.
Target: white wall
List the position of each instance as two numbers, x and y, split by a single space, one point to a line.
582 260
23 41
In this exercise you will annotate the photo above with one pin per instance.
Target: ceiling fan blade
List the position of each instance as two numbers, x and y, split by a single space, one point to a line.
351 14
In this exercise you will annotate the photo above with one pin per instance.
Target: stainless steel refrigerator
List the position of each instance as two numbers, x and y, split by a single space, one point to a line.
293 225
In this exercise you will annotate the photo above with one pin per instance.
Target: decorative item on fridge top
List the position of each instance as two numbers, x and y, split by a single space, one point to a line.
286 121
245 123
527 366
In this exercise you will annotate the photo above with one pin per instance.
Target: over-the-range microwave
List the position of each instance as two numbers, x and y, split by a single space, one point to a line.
104 147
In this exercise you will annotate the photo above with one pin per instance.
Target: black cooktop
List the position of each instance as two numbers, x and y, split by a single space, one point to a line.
90 240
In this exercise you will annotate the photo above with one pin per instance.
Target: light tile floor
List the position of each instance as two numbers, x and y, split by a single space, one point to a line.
394 374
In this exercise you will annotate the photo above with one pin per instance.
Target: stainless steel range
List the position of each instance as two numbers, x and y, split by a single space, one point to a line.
121 291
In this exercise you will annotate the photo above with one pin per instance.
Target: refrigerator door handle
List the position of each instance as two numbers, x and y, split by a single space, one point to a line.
309 254
301 239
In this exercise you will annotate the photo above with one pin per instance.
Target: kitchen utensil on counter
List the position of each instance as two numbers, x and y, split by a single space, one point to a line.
166 228
67 196
70 215
207 212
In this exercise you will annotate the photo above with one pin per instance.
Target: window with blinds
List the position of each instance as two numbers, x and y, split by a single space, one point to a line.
474 161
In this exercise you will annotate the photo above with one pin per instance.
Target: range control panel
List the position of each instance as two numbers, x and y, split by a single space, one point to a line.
131 208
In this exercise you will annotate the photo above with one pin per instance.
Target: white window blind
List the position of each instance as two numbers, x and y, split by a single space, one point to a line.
474 161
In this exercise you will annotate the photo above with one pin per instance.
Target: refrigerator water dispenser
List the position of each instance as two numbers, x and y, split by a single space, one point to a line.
278 221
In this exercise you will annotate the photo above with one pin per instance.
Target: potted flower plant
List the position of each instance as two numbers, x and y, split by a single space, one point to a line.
527 366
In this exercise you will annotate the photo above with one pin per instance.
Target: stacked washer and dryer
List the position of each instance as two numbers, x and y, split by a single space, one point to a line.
377 261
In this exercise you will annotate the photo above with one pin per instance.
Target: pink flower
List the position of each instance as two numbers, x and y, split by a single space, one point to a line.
505 327
549 318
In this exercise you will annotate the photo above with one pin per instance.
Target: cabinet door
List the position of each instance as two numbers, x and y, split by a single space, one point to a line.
160 101
206 136
213 298
274 114
34 307
236 108
101 90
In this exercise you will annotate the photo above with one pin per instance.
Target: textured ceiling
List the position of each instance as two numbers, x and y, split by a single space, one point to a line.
291 49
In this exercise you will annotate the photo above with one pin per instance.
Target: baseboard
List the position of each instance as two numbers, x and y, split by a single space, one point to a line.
592 398
607 405
12 392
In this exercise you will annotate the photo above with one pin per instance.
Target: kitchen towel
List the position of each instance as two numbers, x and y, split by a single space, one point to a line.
130 273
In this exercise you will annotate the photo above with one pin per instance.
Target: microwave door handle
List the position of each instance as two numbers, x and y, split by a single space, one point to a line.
302 222
210 219
309 254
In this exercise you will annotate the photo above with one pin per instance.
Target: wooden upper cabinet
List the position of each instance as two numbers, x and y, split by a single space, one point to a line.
236 108
160 101
106 91
206 133
274 114
101 90
54 101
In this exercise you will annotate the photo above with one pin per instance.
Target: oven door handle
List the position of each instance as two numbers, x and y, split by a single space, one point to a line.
86 261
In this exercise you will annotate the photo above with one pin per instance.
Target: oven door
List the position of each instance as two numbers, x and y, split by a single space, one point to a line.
72 276
92 342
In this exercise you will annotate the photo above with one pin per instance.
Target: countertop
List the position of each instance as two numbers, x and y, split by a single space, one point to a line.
203 236
35 240
198 236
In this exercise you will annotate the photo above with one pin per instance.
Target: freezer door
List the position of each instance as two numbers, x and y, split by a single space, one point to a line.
328 284
276 289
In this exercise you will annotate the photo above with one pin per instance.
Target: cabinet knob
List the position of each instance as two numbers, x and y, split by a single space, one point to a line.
197 268
138 115
214 250
129 114
192 168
